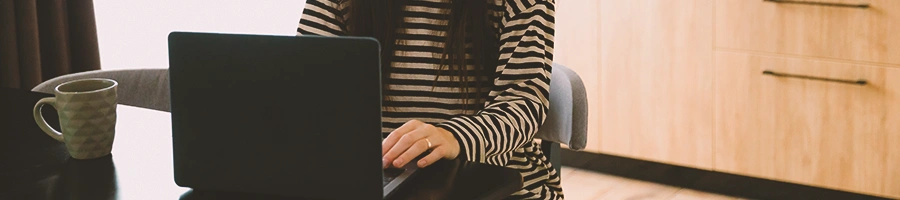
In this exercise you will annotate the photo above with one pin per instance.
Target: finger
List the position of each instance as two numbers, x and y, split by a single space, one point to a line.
431 158
395 135
389 142
403 144
414 151
409 126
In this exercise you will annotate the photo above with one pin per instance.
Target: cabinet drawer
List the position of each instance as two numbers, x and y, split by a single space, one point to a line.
809 129
847 33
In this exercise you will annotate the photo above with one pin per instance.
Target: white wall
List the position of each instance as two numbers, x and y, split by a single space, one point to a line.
132 33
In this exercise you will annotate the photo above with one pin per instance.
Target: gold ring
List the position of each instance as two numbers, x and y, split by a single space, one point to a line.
429 142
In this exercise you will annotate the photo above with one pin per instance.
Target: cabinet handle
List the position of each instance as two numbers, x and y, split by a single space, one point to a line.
858 82
861 5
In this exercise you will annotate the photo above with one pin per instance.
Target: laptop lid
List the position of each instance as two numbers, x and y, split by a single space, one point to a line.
284 115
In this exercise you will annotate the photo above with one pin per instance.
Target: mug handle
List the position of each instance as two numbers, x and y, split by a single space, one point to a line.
39 119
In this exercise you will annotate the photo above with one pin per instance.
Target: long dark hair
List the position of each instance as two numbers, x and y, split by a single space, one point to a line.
469 22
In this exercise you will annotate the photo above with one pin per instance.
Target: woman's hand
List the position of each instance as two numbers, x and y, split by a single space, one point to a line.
414 138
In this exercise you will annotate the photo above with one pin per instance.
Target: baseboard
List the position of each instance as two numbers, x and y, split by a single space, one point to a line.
697 179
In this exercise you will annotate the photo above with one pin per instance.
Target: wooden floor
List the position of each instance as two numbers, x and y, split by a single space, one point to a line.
579 184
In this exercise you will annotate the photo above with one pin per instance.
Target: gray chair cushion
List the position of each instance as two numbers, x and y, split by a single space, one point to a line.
146 88
566 121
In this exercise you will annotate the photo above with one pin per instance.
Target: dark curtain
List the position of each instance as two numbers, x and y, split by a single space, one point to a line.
43 39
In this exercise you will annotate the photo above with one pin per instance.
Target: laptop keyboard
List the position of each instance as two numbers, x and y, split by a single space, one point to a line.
390 174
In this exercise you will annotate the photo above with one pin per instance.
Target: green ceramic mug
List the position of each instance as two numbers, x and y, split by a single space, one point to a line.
87 116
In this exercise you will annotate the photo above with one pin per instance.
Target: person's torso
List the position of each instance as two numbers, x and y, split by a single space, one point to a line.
419 86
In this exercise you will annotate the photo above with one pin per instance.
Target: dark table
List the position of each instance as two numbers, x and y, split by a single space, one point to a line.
34 166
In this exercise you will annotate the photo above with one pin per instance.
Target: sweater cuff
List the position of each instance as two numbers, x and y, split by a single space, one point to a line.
469 145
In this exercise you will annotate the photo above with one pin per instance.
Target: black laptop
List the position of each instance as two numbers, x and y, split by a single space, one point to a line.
283 115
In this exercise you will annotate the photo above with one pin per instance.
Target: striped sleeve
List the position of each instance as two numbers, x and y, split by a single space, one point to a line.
321 17
517 104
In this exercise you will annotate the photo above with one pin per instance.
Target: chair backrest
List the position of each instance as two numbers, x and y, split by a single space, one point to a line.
566 122
146 88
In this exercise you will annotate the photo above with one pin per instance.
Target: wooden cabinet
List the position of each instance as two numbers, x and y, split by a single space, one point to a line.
656 78
806 130
844 33
837 135
681 82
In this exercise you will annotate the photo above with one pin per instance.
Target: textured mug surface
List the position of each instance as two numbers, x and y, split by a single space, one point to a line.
87 116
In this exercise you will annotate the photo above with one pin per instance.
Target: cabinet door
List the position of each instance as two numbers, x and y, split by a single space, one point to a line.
823 133
656 80
845 33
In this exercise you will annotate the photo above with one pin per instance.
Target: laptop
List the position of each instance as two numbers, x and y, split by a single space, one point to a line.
296 116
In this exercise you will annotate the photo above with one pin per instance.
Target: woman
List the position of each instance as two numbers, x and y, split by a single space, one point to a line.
464 79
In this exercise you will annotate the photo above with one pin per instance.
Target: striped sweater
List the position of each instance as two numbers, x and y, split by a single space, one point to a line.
496 130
